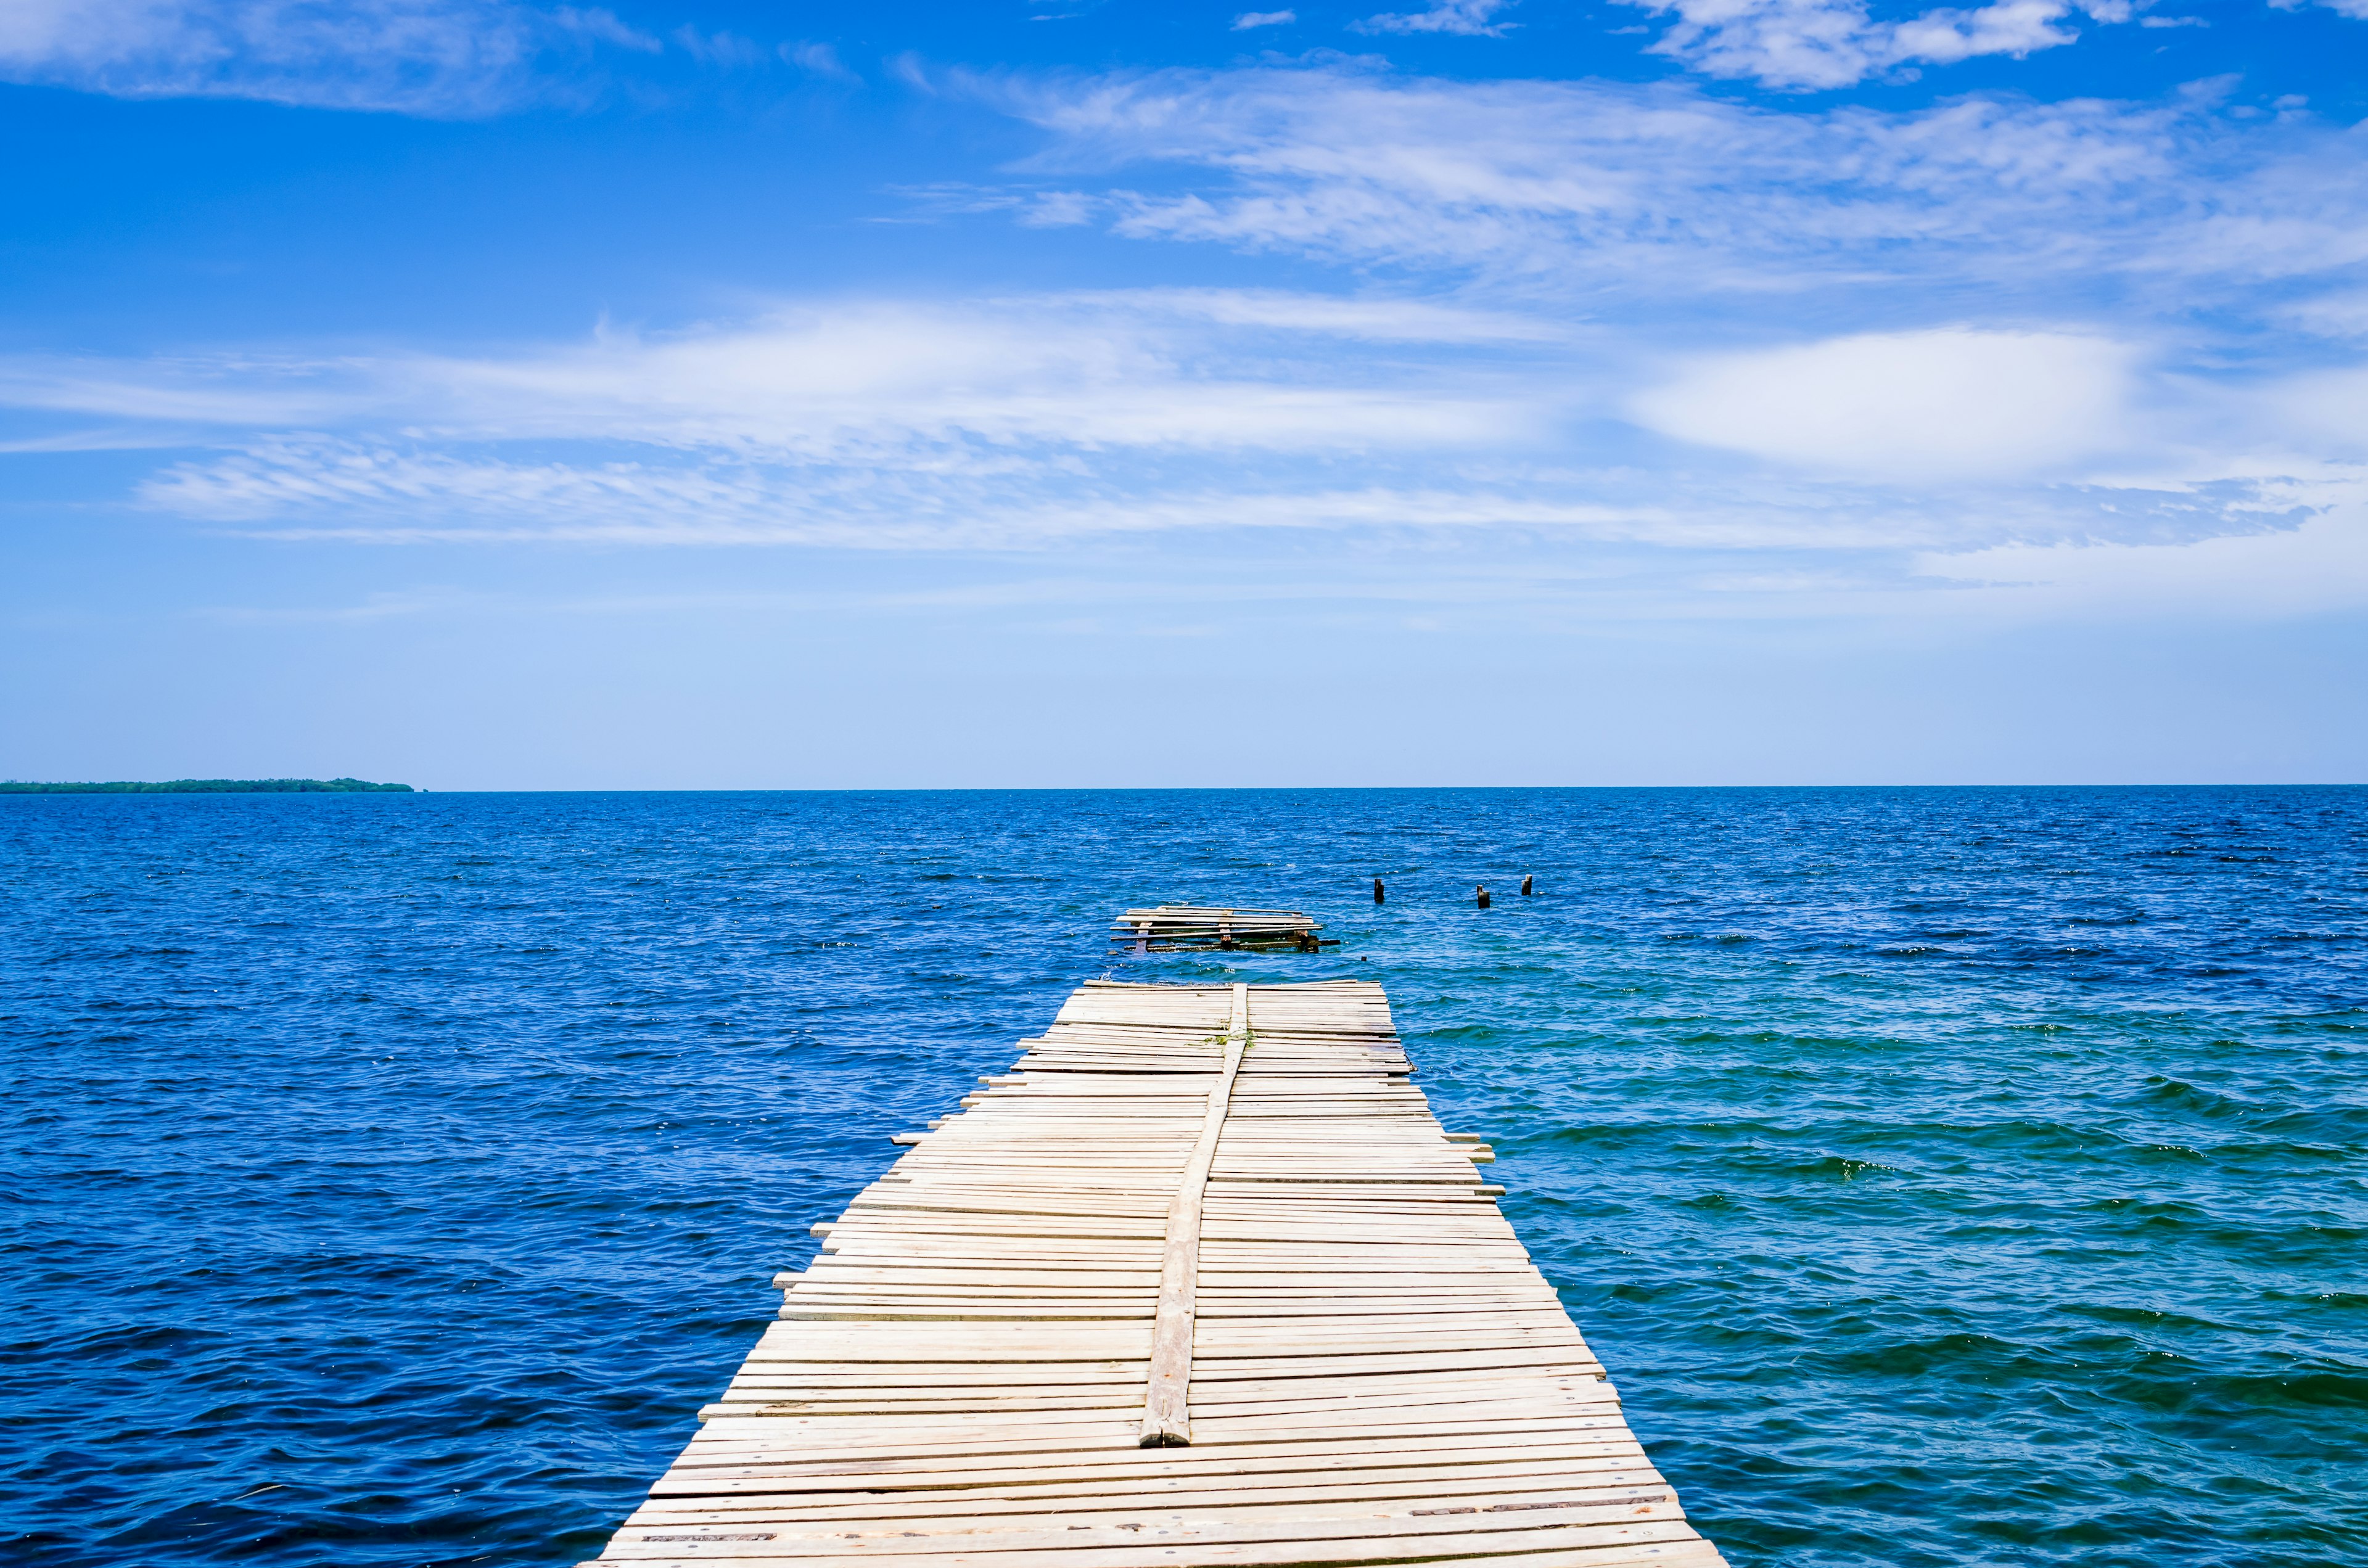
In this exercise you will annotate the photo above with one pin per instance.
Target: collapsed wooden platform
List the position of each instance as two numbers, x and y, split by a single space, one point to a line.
1200 1282
1170 926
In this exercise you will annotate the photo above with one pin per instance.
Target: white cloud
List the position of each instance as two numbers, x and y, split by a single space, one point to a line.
886 383
2008 27
1249 19
175 392
1947 403
1025 422
723 49
1571 189
427 57
1811 44
1875 474
1470 18
2318 566
819 57
1656 543
2338 313
1374 318
2321 412
1561 253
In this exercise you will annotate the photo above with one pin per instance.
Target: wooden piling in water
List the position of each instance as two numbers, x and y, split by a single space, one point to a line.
1219 1220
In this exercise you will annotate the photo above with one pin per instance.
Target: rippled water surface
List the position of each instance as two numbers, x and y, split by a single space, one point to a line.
1947 1176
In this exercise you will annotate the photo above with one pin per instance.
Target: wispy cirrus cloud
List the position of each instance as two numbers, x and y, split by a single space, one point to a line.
821 59
1593 191
889 381
2318 564
1466 18
1658 541
443 58
378 492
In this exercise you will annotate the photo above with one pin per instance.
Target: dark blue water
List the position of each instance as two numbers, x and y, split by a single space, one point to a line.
1947 1176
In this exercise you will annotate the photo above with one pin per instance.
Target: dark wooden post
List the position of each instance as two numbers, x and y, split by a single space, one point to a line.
1482 893
1526 889
1377 890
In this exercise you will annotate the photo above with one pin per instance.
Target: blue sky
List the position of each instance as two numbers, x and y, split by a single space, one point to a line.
501 395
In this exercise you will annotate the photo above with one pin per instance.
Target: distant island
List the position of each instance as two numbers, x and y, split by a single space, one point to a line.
209 787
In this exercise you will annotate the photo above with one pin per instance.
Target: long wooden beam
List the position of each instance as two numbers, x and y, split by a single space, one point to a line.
1167 1413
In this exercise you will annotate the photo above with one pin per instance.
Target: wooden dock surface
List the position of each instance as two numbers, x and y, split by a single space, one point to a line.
1201 1281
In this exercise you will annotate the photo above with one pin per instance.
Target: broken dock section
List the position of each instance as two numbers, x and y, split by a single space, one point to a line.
1174 926
1200 1282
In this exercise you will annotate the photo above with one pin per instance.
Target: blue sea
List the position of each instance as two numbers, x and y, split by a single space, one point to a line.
1947 1176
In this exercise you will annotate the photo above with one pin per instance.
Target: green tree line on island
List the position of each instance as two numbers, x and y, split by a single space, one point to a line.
209 787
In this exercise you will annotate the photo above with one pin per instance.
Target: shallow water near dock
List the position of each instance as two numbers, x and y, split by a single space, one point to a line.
1947 1176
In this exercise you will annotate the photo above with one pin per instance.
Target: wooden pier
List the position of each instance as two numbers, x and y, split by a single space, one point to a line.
1200 1282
